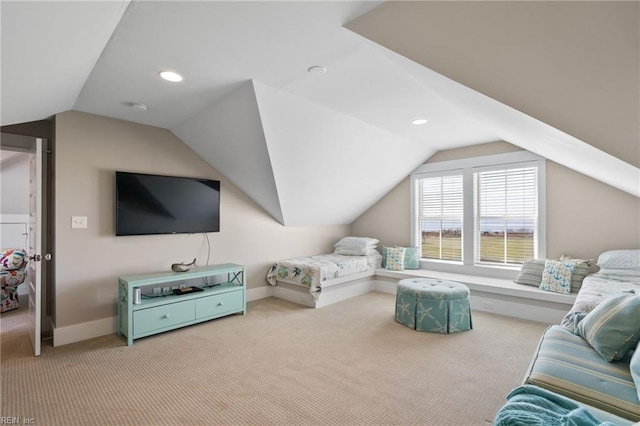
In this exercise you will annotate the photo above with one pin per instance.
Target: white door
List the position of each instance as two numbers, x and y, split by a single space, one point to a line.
34 272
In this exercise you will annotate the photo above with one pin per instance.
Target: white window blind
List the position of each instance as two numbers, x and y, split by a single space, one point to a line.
506 215
440 211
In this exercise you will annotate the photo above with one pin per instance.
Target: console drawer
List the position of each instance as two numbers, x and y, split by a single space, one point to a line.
219 304
146 320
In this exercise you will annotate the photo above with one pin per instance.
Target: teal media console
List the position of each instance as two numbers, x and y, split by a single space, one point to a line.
159 310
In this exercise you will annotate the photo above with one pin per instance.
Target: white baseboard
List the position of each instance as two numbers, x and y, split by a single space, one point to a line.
386 286
259 293
86 330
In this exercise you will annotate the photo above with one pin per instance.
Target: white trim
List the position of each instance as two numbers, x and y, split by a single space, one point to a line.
14 218
259 293
86 330
485 160
467 167
332 290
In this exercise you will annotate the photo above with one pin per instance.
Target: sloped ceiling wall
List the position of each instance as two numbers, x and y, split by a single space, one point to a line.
230 137
321 151
268 141
572 65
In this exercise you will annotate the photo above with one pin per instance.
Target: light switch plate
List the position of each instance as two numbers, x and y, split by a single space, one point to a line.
78 221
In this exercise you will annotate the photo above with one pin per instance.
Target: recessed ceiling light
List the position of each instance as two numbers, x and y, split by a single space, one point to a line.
317 69
136 106
419 121
170 76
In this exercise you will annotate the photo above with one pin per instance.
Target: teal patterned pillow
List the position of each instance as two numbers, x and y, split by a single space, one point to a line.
556 276
613 327
384 256
395 258
411 258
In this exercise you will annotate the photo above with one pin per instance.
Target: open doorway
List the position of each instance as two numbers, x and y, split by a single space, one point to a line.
14 224
15 206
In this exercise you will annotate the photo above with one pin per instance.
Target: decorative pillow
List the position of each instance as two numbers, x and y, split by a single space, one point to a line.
12 258
357 242
531 273
613 327
556 276
384 256
395 258
583 267
620 259
634 366
411 258
355 251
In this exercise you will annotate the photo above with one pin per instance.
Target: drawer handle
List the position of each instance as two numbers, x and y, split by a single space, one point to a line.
165 316
220 303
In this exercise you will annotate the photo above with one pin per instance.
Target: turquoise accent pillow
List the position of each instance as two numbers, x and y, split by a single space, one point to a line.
411 258
556 276
384 256
635 368
613 327
395 258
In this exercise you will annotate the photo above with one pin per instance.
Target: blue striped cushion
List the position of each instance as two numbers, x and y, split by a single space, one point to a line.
566 364
613 327
635 368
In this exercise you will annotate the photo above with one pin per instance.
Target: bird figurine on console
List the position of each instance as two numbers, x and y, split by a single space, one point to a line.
183 267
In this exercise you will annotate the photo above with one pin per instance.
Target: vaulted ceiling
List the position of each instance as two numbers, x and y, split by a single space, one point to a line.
309 147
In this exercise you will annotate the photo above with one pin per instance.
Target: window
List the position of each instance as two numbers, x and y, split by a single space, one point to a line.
505 215
485 212
440 217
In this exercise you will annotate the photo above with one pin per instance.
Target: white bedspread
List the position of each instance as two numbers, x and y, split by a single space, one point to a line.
312 271
596 288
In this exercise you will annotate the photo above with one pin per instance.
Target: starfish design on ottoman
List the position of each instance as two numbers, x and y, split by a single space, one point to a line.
438 306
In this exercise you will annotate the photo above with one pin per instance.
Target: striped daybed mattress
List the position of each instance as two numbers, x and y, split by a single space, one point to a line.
597 287
566 364
316 272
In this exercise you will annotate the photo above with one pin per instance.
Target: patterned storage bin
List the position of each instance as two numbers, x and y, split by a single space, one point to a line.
438 306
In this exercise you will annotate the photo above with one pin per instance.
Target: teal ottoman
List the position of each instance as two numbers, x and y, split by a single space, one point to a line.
438 306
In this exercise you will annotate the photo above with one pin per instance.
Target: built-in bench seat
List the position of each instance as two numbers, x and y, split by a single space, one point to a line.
501 296
492 294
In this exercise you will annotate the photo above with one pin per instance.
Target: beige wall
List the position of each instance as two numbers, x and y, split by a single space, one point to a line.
573 65
584 216
89 149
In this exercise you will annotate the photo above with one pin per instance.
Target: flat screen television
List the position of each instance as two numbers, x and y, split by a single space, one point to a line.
153 204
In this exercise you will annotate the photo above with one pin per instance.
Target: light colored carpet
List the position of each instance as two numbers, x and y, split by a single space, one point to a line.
281 364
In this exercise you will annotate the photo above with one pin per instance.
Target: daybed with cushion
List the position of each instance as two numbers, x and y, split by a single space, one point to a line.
593 357
319 280
13 271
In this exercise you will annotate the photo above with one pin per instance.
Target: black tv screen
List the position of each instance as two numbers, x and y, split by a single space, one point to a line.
152 204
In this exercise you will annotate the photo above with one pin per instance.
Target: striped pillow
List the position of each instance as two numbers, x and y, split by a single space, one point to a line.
613 327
